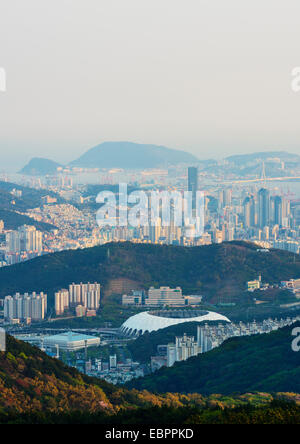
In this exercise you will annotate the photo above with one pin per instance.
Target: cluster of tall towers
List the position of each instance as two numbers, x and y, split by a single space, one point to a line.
25 306
26 238
263 210
85 295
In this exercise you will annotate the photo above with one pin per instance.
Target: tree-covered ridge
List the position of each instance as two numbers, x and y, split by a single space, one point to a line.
253 363
37 388
217 271
278 411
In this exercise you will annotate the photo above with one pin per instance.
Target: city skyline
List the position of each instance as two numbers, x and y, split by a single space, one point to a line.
149 214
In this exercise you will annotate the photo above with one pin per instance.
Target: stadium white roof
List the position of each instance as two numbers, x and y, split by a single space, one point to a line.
150 321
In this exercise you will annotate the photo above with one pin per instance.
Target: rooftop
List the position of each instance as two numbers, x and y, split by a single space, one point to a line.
70 336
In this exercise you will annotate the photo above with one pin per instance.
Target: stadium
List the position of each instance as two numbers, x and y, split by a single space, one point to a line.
150 321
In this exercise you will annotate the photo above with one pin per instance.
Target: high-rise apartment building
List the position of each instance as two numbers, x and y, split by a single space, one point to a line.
88 295
184 348
62 301
27 306
203 340
25 239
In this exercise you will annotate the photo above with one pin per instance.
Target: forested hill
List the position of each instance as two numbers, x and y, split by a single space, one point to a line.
255 363
216 271
38 389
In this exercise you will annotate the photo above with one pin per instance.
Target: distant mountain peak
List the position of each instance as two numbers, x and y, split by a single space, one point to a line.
130 155
39 166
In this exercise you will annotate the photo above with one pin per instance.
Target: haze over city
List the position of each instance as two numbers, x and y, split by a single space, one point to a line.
212 78
149 214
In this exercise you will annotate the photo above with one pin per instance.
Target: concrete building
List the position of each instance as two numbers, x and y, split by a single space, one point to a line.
113 361
165 296
2 340
137 297
254 285
62 301
71 341
88 295
25 239
27 306
79 295
184 348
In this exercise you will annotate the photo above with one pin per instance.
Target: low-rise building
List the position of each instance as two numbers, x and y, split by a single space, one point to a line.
71 341
165 296
254 285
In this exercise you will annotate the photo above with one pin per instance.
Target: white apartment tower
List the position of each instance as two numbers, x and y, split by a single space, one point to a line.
26 238
62 301
33 306
88 295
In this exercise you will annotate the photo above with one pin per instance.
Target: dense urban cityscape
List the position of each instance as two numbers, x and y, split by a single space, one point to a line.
149 215
263 213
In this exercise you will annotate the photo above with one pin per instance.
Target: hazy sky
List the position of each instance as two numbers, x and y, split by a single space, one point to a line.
209 76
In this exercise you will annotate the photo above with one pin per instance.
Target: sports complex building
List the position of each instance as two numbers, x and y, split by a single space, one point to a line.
71 341
149 321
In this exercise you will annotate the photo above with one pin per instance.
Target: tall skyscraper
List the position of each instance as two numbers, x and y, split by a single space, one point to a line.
249 212
263 208
193 183
277 207
226 197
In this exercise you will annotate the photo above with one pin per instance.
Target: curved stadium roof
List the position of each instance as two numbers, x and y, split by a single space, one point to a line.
153 321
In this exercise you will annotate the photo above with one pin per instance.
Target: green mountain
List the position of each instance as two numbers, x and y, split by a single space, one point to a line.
256 363
38 389
32 381
39 166
132 156
219 272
